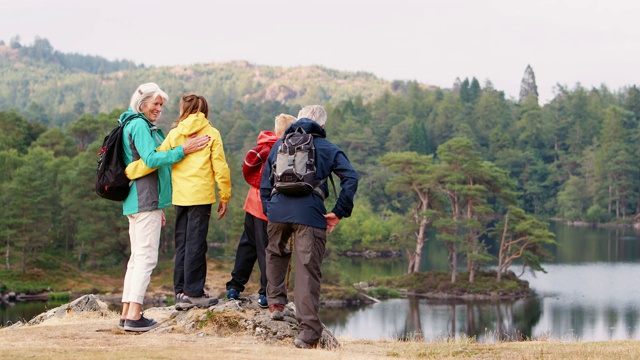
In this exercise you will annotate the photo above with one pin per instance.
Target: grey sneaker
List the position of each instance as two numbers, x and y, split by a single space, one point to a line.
140 325
184 302
121 324
303 344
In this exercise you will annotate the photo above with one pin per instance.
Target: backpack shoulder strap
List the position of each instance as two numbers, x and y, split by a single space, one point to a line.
318 189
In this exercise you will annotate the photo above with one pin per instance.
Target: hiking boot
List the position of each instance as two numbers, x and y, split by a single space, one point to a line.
233 294
301 344
140 325
278 311
262 301
184 302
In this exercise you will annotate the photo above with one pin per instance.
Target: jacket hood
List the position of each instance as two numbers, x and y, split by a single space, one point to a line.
309 126
192 124
266 138
130 115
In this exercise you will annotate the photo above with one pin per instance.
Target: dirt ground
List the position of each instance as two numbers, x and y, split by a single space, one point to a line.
93 336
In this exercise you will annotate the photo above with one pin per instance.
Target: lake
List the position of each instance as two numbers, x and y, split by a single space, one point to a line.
589 293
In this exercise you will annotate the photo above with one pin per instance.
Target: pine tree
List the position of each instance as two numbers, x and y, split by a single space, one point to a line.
528 85
414 176
474 90
465 95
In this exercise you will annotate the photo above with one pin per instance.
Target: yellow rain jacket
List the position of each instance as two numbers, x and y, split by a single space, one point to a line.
193 177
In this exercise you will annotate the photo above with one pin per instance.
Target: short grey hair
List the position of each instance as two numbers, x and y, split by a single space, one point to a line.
315 113
145 93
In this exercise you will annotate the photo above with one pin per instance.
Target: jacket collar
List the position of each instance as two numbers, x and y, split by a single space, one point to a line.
130 115
309 126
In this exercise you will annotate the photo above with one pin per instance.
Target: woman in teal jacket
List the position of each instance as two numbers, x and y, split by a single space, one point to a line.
148 195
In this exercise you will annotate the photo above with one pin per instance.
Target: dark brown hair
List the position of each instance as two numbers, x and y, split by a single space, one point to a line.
192 103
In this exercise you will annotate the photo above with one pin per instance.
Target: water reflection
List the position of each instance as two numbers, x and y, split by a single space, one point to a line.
587 302
589 293
416 318
592 302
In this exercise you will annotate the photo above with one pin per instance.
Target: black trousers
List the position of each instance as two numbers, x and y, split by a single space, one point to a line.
252 247
192 226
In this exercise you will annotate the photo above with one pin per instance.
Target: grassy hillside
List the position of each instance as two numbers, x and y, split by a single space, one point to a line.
56 88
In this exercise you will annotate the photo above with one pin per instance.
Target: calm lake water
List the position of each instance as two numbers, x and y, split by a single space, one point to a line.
589 293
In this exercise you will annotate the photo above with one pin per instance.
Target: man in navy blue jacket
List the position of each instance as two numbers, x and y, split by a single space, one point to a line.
307 219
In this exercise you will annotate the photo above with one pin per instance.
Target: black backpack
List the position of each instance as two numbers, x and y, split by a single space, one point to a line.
294 170
111 182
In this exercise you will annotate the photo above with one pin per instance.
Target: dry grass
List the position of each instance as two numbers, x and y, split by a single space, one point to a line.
89 336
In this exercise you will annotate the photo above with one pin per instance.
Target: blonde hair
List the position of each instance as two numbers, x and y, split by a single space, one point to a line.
146 93
315 113
192 103
283 121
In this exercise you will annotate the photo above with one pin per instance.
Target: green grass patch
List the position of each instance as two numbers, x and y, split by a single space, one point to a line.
29 283
224 322
384 293
60 296
339 292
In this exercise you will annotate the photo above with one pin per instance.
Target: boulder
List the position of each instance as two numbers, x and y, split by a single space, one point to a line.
223 319
86 303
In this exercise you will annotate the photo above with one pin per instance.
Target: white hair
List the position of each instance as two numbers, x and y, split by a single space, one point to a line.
145 93
315 113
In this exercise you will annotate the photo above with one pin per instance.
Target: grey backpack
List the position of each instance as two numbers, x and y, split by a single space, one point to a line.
294 170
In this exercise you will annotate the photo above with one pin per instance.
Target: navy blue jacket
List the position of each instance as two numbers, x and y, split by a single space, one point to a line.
309 210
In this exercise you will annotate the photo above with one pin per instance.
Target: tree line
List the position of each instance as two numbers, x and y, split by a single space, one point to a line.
463 166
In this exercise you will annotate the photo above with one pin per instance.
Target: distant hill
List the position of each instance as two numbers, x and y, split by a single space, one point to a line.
52 87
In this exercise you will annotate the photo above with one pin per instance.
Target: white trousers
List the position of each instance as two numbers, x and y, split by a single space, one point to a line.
144 235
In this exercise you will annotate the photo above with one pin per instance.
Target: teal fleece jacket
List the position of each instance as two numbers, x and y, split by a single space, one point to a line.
140 139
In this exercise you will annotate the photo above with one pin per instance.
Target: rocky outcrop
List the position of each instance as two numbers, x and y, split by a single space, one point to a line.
224 319
86 303
279 93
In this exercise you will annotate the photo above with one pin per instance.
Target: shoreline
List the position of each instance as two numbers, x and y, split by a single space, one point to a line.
94 334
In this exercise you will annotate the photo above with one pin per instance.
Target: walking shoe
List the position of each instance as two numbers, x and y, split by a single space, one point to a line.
121 324
140 325
176 299
262 301
184 302
278 311
301 344
233 294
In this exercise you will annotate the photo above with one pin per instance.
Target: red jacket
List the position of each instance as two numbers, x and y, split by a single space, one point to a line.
252 168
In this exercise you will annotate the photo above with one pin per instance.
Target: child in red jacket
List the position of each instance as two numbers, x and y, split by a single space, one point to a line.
253 241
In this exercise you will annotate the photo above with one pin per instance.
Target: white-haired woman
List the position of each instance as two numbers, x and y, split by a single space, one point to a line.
148 195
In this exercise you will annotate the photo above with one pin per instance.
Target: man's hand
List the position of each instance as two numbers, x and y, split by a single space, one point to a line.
164 219
222 209
332 221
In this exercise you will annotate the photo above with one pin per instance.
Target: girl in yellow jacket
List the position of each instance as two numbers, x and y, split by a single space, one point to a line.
193 181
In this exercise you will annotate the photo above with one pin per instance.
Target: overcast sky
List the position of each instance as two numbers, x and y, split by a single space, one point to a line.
433 42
